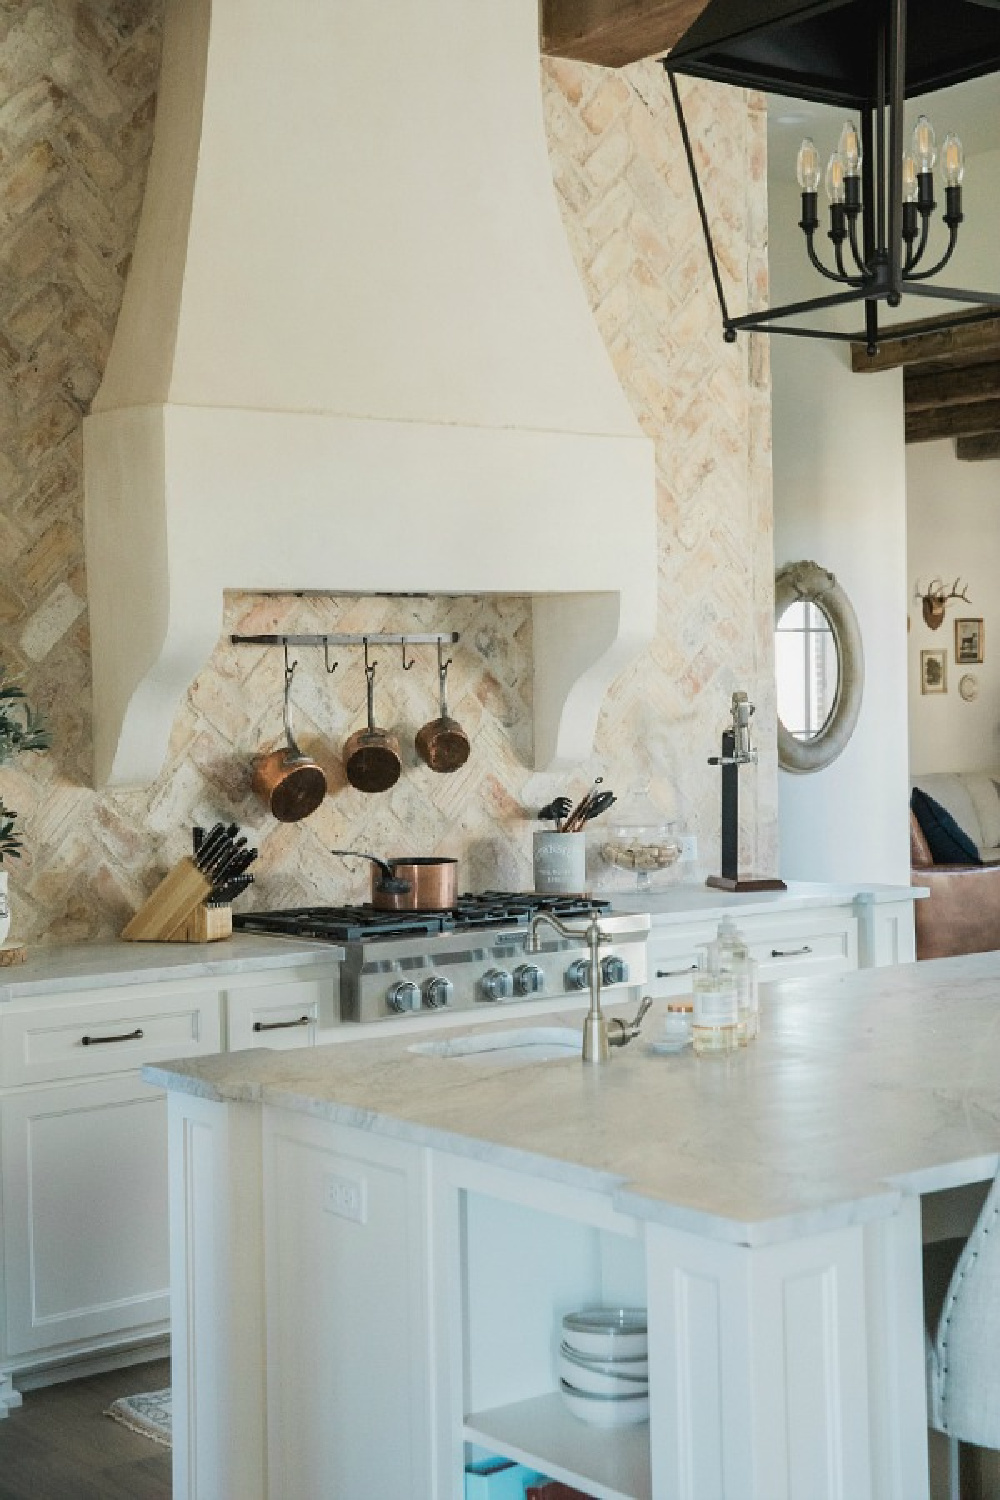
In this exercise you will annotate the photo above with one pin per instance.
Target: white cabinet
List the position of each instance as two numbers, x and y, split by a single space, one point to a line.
83 1148
84 1214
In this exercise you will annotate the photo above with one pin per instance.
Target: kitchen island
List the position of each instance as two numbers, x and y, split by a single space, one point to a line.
371 1249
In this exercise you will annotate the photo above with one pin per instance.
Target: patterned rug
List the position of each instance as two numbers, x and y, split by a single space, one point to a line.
148 1414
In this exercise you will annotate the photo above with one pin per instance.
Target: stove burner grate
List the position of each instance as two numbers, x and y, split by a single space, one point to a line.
349 924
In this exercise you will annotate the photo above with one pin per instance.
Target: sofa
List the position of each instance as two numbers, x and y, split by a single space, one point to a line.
962 912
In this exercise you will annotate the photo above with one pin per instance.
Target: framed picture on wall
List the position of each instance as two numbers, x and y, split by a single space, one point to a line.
933 671
970 642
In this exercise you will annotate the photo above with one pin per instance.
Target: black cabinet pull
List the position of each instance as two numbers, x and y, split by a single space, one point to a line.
675 973
280 1025
790 952
100 1041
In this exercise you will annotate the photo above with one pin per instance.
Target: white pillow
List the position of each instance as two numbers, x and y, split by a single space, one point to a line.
986 800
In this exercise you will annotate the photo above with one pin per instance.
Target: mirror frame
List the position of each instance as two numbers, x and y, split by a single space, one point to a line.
811 584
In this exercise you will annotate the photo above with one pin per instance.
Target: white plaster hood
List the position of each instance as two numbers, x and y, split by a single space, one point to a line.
355 356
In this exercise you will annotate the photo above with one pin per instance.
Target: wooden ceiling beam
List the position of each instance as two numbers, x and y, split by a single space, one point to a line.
937 388
962 343
964 420
613 33
974 449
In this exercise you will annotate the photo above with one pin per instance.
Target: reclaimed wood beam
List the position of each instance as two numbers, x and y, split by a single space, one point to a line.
919 346
952 387
614 33
974 449
963 420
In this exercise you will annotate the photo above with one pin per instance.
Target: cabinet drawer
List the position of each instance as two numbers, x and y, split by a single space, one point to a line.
823 946
86 1038
275 1015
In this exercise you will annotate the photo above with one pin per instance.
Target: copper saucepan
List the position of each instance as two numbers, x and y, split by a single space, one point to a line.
289 783
410 883
442 743
371 756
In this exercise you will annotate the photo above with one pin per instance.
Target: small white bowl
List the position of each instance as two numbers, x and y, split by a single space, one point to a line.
636 1368
606 1411
607 1333
600 1380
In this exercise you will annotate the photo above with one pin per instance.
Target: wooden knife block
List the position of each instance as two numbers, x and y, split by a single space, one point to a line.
175 912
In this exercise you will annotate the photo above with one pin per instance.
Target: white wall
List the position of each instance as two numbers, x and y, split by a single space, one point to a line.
840 499
954 530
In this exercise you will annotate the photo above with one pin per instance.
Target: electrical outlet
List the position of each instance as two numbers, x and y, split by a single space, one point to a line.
689 848
346 1197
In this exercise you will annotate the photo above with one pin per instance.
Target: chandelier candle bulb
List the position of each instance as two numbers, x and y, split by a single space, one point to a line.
953 161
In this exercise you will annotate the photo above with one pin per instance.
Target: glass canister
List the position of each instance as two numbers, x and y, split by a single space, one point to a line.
639 840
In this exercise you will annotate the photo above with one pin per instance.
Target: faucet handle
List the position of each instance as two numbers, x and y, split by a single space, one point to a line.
620 1032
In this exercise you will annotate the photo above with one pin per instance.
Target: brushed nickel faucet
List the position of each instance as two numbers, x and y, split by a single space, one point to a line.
599 1034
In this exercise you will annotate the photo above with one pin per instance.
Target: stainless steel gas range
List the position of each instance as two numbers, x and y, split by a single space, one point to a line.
476 954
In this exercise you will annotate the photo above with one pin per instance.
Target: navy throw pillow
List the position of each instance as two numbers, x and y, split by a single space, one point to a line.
949 844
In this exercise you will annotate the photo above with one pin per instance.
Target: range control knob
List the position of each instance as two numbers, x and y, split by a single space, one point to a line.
403 996
437 992
496 984
614 970
578 974
528 979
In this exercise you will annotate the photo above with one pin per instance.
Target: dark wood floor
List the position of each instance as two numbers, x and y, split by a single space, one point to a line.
60 1446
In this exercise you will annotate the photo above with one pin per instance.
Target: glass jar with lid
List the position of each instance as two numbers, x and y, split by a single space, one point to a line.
637 843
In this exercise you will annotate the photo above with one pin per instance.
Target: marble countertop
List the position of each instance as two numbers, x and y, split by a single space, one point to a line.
861 1088
86 966
689 901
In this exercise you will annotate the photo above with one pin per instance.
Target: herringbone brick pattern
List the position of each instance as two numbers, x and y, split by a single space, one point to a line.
77 97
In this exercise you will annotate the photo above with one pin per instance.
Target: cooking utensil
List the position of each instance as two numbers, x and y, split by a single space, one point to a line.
599 805
442 743
371 756
555 811
289 783
575 820
410 883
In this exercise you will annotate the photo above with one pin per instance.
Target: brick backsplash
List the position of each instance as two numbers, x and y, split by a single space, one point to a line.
76 121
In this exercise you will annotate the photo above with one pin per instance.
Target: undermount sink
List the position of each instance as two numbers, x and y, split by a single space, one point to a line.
523 1044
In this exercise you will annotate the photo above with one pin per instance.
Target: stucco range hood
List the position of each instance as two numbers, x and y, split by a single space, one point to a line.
355 356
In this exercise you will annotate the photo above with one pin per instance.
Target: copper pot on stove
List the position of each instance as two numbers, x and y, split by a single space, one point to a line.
410 883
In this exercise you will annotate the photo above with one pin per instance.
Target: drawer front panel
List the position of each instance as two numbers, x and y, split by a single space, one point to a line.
798 950
276 1015
87 1038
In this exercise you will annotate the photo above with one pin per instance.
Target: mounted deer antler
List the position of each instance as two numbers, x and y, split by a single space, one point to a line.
935 597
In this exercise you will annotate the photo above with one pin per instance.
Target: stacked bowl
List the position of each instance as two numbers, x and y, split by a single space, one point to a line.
603 1365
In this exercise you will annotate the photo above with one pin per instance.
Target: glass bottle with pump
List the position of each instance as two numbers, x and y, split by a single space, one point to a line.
736 957
714 1020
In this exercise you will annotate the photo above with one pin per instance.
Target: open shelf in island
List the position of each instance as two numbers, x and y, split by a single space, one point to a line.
607 1463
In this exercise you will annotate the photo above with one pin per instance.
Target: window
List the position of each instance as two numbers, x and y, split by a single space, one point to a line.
819 667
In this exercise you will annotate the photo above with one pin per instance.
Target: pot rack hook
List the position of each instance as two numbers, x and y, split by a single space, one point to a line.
442 664
369 665
289 666
406 664
326 658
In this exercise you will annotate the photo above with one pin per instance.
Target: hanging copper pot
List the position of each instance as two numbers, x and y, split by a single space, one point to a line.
442 743
371 756
291 785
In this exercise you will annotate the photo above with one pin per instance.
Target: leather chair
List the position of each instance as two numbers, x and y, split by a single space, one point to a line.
962 912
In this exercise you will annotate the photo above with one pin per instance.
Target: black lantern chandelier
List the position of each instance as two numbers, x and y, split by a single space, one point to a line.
868 56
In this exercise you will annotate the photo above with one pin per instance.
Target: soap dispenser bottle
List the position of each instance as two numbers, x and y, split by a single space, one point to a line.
737 958
714 1020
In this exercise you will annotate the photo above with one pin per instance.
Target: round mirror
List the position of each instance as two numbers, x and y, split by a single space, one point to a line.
819 667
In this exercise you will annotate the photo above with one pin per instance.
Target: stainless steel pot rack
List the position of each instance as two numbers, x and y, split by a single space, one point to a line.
374 639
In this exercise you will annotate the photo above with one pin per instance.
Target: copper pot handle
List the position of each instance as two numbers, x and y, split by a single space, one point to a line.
390 882
293 748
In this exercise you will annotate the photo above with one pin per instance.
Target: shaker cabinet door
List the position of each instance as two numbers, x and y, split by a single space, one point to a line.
84 1173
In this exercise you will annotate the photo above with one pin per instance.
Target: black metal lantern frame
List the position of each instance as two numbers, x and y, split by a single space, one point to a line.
868 55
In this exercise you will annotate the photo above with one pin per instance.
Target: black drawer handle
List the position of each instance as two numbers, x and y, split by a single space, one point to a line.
100 1041
790 952
676 973
281 1025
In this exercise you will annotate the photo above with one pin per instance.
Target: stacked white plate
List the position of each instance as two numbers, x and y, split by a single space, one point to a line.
603 1365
